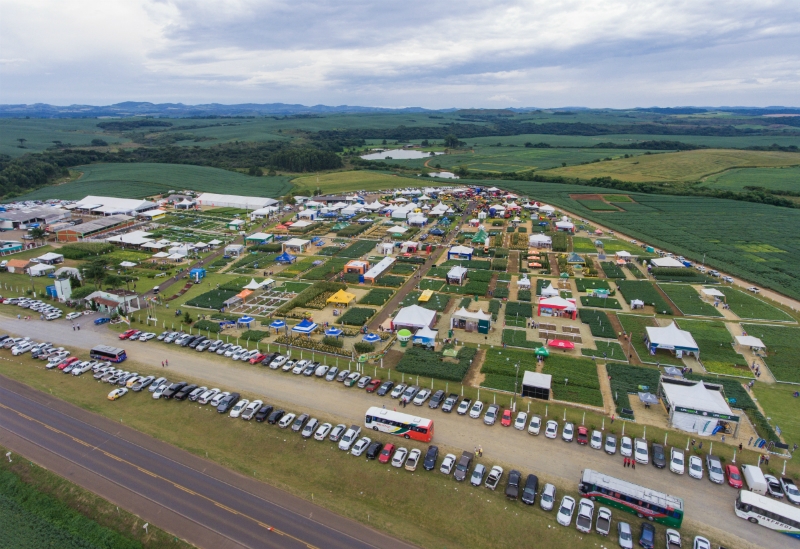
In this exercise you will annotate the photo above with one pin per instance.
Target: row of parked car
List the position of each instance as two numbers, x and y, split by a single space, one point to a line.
49 312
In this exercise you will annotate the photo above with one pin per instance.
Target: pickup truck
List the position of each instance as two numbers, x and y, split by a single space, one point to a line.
494 477
603 523
463 466
450 402
673 539
585 514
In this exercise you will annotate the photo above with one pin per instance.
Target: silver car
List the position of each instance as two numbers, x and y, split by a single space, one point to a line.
548 497
491 414
714 466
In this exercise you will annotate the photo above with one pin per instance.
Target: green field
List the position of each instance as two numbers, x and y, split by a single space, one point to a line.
39 134
716 351
688 300
139 180
635 327
748 306
360 180
681 166
597 205
778 403
582 386
783 348
780 179
583 245
611 349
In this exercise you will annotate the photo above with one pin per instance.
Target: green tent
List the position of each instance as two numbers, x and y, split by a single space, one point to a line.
480 237
564 275
541 351
450 352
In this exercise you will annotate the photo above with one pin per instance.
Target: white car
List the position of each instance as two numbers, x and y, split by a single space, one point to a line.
288 366
421 397
626 447
248 355
85 367
535 426
156 384
624 535
548 497
611 445
522 419
73 315
216 399
207 396
641 454
239 408
753 289
677 463
52 316
448 463
463 407
361 446
568 432
323 431
701 543
286 420
147 336
251 409
413 460
349 438
278 362
399 457
117 393
230 351
673 538
21 348
476 410
585 515
551 431
321 370
237 354
565 511
493 478
398 390
299 366
596 441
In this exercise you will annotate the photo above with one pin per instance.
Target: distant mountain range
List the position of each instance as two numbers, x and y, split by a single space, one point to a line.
179 110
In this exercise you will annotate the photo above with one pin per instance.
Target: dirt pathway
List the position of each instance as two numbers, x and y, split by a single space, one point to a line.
474 376
633 356
513 262
749 356
605 388
554 271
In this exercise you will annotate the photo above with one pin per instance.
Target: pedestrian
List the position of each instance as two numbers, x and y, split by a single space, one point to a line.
740 446
700 446
612 418
19 317
79 327
162 363
624 462
73 327
633 463
723 438
166 362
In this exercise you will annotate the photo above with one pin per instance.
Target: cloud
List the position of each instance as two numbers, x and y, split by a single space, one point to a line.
614 53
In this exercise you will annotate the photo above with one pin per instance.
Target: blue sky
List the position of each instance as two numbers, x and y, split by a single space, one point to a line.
435 54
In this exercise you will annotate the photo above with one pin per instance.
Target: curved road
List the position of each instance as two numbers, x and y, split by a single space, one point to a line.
205 504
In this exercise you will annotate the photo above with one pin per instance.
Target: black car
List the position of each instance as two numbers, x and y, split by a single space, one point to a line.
173 389
227 403
512 488
275 416
269 358
385 387
659 458
196 342
263 412
374 450
430 458
531 487
647 536
183 394
190 340
436 399
450 402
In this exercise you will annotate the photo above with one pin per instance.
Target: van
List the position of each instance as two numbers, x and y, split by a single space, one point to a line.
156 289
755 480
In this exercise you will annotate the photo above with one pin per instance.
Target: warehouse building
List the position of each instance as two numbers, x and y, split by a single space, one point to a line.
213 200
107 205
93 228
24 218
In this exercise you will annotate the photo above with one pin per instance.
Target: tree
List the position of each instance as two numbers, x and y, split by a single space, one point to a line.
22 141
255 171
113 281
451 141
94 270
99 143
187 317
37 233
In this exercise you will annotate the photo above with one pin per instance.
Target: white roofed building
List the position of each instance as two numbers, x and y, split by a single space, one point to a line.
107 205
214 200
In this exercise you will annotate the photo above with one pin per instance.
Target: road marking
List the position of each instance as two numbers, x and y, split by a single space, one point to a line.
156 475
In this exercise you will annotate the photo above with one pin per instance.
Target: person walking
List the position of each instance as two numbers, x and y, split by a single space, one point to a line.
162 363
166 363
633 463
79 327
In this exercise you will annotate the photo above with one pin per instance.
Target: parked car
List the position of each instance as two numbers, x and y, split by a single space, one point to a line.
206 397
659 457
310 369
464 406
568 432
251 409
583 436
520 421
374 450
476 479
352 379
475 411
286 420
565 511
386 453
676 461
624 535
413 460
611 445
300 422
409 394
551 431
310 428
349 438
218 398
535 425
275 416
385 387
673 539
493 479
117 393
585 517
647 536
701 543
331 375
321 370
263 413
641 453
337 432
491 414
462 467
360 446
596 441
239 408
436 399
773 486
603 523
505 419
626 447
398 390
548 497
714 466
512 485
790 490
429 463
530 489
448 463
342 376
399 457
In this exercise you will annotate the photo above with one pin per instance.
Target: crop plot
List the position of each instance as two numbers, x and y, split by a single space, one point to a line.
581 385
716 347
688 300
262 304
783 348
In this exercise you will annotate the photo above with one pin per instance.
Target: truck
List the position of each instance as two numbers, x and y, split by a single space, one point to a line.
755 480
463 465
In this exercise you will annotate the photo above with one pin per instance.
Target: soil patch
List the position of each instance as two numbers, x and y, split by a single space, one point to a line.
474 377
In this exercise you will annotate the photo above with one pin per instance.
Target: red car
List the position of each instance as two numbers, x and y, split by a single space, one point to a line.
386 453
505 421
127 333
583 435
67 362
373 385
734 478
258 358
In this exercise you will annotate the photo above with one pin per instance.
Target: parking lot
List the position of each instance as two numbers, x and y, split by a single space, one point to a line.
708 507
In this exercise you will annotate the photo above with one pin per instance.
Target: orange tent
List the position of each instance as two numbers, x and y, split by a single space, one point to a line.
244 293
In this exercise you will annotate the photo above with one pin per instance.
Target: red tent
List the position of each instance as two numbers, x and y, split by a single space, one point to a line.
561 344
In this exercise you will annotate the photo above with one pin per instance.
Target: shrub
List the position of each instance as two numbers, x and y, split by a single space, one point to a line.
333 341
254 335
560 242
500 264
82 250
357 316
418 361
363 347
207 326
524 295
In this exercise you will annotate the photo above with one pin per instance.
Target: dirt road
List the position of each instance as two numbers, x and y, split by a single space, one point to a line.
708 506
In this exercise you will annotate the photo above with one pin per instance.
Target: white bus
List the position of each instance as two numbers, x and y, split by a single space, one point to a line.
768 512
399 424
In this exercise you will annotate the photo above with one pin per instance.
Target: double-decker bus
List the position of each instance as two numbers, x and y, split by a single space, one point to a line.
630 497
397 423
104 352
769 513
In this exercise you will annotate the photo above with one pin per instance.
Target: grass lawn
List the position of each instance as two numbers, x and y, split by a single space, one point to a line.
783 409
783 348
747 306
781 179
612 350
583 245
635 327
688 300
335 182
600 302
716 352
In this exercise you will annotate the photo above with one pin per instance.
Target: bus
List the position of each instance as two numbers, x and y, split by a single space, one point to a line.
397 423
630 497
104 352
768 512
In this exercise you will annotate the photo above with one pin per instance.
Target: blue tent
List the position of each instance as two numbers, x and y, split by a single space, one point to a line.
372 338
305 327
333 332
277 324
245 320
285 258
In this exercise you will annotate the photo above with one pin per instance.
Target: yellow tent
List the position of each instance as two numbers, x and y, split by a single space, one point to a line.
341 297
426 295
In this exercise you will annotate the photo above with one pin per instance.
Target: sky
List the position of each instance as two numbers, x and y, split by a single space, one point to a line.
386 53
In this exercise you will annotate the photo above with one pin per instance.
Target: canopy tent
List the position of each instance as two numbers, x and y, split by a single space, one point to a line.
622 254
333 332
713 292
637 304
575 258
252 285
305 327
386 248
524 283
285 258
471 321
127 264
396 230
750 341
456 275
425 296
670 338
460 252
673 371
341 298
425 336
557 303
277 324
540 241
378 269
547 209
245 320
567 226
542 351
244 294
535 385
549 291
413 317
695 408
648 398
560 344
480 237
372 338
666 262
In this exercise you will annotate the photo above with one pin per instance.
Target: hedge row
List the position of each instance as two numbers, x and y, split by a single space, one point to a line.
419 361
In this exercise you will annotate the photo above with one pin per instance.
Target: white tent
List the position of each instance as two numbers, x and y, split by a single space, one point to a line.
666 262
622 254
549 291
750 341
671 338
252 285
713 292
396 230
386 248
524 283
556 302
425 336
40 269
693 407
414 317
375 206
547 209
540 240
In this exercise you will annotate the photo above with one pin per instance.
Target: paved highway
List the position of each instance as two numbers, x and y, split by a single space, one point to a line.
218 508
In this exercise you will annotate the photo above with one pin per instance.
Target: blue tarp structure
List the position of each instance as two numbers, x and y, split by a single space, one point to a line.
333 332
197 274
372 338
245 320
285 257
277 324
305 327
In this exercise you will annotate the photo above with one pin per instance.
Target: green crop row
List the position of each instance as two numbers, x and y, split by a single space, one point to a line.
688 300
519 338
598 323
581 385
630 379
377 296
357 316
645 291
422 362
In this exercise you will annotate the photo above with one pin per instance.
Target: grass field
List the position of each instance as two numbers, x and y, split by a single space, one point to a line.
688 300
716 352
583 245
360 180
781 179
783 348
779 404
750 307
40 134
139 180
597 205
682 166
